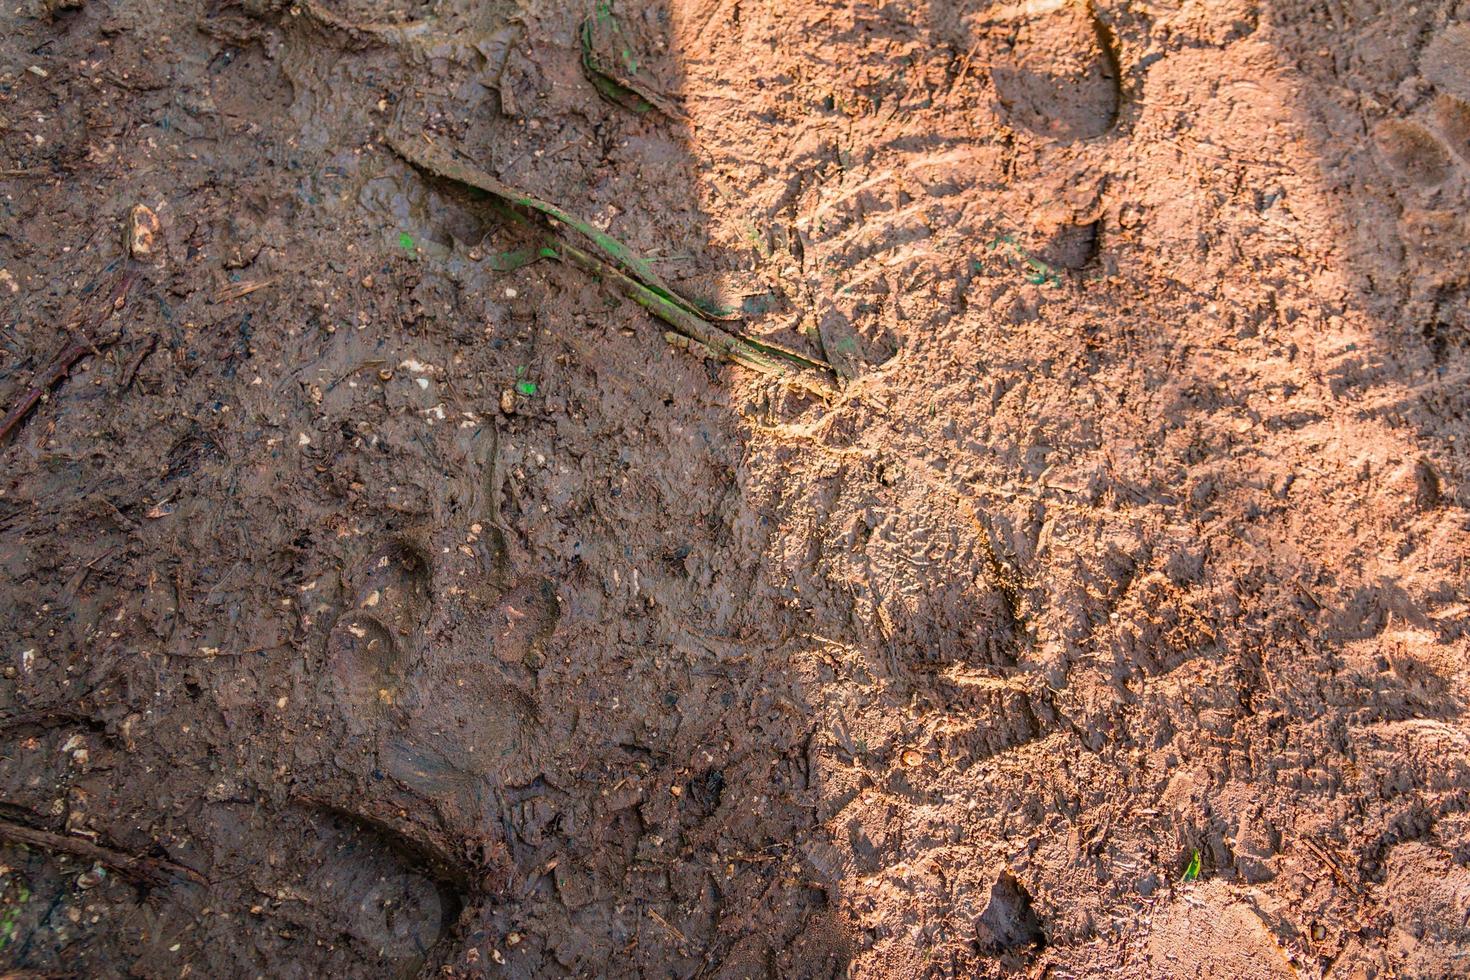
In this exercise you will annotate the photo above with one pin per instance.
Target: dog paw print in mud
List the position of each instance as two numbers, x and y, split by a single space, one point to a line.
1424 152
1054 69
432 663
1430 147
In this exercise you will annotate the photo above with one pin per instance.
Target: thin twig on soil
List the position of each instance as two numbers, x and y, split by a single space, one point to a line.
146 870
73 353
50 718
1332 865
126 381
717 340
682 939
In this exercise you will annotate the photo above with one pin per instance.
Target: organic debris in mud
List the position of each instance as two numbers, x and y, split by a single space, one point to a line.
1036 272
142 233
90 343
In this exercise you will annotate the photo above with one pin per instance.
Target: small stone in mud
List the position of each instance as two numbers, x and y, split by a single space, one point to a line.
143 228
508 402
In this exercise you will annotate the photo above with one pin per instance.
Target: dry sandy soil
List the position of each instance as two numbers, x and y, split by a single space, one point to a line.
381 597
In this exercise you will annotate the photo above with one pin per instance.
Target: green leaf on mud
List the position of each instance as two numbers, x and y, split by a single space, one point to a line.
1192 872
405 241
610 260
526 387
620 87
11 917
513 260
1034 270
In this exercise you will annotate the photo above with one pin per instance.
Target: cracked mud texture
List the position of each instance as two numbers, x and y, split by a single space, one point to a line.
447 621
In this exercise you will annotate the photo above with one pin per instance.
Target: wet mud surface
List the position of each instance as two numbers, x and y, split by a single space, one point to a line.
384 597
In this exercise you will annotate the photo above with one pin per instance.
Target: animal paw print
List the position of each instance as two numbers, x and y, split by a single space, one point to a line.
437 679
369 647
1415 152
1423 151
1055 72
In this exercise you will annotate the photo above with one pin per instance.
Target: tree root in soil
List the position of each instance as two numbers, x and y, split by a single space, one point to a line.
136 867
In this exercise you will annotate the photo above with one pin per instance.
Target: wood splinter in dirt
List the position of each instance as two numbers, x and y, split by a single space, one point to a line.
614 262
678 936
236 290
145 870
1331 865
